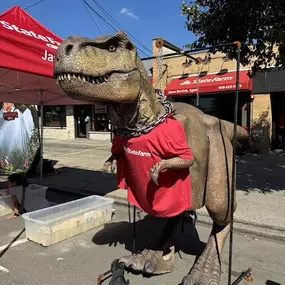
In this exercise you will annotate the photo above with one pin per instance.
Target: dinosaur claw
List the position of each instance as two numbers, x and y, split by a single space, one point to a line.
155 181
154 177
149 267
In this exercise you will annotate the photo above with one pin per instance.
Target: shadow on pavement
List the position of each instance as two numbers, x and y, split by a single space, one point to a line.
264 175
146 231
253 173
270 282
78 181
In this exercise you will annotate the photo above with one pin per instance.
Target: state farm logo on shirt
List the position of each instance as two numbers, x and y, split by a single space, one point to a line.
137 152
50 42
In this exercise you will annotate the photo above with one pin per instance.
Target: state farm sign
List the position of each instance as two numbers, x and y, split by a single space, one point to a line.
207 80
50 42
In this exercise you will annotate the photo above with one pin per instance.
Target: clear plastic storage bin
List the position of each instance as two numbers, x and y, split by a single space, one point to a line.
6 203
57 223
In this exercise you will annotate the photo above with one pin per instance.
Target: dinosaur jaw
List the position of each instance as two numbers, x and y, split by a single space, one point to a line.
116 86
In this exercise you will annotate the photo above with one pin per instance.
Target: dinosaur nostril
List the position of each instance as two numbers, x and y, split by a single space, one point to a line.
68 49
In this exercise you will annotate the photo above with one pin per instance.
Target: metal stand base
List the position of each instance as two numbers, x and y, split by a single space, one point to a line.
244 275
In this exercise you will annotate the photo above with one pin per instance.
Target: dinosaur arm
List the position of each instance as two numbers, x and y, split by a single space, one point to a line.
176 152
171 163
175 163
117 150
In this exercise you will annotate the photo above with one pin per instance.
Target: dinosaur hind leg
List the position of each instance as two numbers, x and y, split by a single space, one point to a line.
207 269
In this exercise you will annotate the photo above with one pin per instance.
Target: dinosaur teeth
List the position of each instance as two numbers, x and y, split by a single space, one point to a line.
90 79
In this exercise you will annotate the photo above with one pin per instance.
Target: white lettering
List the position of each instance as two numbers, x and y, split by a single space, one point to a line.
48 56
6 25
207 80
187 82
136 152
52 46
50 42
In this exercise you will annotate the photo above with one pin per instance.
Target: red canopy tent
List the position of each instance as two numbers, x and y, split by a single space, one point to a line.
27 51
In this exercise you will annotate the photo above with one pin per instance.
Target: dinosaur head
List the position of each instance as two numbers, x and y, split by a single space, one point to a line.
106 69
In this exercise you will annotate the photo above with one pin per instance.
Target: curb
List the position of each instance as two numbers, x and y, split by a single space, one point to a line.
250 228
240 226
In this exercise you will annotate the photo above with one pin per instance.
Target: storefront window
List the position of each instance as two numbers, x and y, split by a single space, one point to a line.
54 116
220 105
101 122
206 104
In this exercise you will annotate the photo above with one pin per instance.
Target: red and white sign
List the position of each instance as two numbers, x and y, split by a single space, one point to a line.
27 51
212 83
26 45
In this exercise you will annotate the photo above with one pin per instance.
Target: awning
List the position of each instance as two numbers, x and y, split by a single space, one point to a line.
211 83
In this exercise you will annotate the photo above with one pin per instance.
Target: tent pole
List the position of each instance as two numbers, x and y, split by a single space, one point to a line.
42 134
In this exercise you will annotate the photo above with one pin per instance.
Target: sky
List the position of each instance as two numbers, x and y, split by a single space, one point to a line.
143 19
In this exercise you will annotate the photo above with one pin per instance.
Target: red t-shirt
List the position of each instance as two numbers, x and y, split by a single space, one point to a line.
137 156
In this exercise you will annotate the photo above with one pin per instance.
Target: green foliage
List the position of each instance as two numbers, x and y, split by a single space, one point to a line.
258 24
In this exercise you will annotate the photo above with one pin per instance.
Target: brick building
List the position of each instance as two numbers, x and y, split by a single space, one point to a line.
212 84
261 104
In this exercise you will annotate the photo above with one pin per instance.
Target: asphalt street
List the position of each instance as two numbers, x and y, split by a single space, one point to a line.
81 259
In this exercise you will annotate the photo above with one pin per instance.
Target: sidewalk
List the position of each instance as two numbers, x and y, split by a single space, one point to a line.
260 184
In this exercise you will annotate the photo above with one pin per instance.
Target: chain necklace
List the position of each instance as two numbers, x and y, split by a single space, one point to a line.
136 132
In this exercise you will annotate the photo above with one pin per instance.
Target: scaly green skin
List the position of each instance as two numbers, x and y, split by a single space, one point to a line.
108 70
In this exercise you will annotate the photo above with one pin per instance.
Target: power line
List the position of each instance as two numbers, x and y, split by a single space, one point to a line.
108 24
32 5
91 17
118 24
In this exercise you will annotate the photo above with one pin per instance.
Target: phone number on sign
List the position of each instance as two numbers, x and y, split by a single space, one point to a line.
232 86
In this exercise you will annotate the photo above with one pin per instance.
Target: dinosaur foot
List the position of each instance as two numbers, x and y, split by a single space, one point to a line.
150 262
206 271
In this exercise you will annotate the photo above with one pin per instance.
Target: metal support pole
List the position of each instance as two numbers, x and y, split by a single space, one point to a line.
186 52
238 44
160 43
42 134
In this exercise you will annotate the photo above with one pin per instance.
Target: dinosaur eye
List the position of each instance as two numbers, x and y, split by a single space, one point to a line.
112 48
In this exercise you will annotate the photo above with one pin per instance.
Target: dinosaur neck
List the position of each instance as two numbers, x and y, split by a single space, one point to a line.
146 110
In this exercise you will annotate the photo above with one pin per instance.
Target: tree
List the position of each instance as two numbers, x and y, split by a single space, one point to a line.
258 24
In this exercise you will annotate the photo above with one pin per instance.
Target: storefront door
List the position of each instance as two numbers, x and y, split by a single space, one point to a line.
83 120
278 120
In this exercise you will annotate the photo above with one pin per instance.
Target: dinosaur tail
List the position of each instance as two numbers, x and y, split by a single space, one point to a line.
229 128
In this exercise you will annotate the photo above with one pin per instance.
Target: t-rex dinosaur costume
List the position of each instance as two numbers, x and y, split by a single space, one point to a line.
108 69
